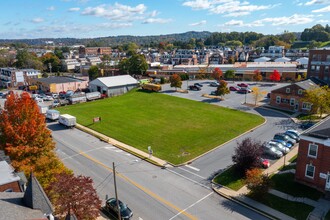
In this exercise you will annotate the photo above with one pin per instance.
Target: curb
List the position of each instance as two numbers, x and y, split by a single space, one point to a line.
233 199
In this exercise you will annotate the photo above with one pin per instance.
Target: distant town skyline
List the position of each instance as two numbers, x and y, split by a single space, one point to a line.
100 18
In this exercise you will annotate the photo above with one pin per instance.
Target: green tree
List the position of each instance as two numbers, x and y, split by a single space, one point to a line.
230 74
175 81
319 97
222 89
124 66
93 72
58 52
24 59
137 64
51 62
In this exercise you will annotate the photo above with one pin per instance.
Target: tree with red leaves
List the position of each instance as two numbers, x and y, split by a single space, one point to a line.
75 195
26 139
175 81
275 77
217 74
247 154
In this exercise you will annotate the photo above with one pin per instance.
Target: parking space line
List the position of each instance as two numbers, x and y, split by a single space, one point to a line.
193 168
192 173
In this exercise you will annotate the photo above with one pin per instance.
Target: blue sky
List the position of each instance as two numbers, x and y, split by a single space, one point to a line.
100 18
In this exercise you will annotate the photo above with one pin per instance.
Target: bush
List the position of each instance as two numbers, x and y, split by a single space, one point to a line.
257 182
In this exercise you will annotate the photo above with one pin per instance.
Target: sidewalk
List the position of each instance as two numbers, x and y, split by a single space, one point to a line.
321 207
139 153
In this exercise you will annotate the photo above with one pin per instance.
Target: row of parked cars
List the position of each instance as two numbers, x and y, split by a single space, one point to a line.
281 143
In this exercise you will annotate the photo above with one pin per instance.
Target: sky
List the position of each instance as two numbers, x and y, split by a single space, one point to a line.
30 19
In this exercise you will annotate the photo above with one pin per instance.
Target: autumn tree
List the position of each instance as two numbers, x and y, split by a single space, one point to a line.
246 155
51 62
257 182
257 94
26 139
275 76
257 76
222 89
74 194
217 74
319 99
175 81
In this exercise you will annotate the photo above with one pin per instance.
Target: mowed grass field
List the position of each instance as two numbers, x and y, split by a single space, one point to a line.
177 129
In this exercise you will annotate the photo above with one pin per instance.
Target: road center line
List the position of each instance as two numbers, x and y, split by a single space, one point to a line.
192 205
147 191
188 171
193 168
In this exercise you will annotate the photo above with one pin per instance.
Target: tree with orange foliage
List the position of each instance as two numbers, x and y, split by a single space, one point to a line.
175 81
257 182
257 76
275 76
217 74
75 195
26 139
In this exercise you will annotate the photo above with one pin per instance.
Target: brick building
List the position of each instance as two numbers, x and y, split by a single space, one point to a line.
313 163
319 64
290 97
12 77
94 51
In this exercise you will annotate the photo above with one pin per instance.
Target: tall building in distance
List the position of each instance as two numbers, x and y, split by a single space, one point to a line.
319 64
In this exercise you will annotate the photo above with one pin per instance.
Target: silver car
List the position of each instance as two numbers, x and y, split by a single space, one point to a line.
272 151
279 146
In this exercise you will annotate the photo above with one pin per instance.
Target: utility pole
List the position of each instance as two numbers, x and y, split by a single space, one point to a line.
114 180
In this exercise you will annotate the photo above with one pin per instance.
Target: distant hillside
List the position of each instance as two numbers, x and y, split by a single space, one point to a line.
115 40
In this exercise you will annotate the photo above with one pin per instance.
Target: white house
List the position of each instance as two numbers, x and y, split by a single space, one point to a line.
113 85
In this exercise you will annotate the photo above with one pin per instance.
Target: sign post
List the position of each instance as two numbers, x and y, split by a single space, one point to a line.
150 151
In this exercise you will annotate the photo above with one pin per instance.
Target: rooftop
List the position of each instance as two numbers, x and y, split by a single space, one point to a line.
7 174
59 80
321 130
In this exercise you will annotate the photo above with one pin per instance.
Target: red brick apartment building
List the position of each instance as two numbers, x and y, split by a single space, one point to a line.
94 51
313 161
290 97
319 64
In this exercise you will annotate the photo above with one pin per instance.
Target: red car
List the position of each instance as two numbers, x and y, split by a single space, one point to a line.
264 163
234 88
243 85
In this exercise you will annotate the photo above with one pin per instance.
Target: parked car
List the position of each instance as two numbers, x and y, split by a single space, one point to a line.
198 84
55 96
234 88
48 98
286 144
213 93
244 90
56 103
279 146
214 84
284 137
272 151
307 124
243 85
111 207
264 163
294 132
194 88
293 136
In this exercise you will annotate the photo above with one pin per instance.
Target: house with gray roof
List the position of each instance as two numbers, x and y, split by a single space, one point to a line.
113 85
57 84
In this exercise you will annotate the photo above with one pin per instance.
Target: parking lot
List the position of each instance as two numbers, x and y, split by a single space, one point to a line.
233 100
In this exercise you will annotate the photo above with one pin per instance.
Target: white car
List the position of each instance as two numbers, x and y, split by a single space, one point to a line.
48 98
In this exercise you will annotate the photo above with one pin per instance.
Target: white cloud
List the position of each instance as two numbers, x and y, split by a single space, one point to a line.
156 20
240 23
317 2
51 8
237 14
198 23
115 25
198 4
154 13
237 7
323 21
116 11
37 20
325 9
73 9
292 20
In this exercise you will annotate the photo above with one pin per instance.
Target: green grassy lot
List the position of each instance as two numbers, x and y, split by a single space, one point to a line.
285 183
177 129
294 209
230 179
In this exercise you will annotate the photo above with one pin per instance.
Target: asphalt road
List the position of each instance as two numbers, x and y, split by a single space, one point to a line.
151 192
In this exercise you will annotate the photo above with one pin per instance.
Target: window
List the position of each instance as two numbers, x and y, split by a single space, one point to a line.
287 90
310 171
306 106
278 99
312 67
300 91
312 150
292 101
